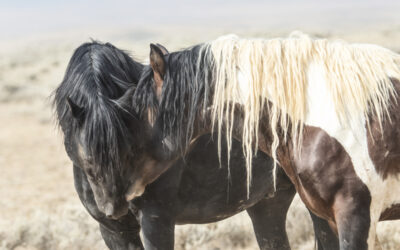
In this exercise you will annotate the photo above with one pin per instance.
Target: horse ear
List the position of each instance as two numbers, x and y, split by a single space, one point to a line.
77 111
157 62
163 49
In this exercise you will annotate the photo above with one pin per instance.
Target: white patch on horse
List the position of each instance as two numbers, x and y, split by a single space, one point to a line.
321 113
392 196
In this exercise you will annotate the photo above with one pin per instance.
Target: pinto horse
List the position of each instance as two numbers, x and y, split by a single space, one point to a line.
328 112
99 140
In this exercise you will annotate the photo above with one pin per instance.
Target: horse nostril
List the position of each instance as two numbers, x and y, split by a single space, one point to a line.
109 210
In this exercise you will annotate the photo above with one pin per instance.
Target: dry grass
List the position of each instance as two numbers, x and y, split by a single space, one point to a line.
39 207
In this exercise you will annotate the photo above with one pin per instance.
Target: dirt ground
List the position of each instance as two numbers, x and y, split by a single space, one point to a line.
38 205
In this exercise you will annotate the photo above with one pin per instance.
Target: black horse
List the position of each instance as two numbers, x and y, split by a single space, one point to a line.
197 191
98 132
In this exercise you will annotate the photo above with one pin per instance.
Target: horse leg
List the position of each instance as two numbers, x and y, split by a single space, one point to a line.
269 219
118 234
158 227
353 220
326 238
121 240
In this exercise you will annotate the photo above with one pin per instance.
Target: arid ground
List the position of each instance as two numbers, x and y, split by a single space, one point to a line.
38 205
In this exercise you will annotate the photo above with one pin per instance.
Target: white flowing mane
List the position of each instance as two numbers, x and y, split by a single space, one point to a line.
275 71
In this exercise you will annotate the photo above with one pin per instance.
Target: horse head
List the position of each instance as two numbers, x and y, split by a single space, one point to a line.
169 100
98 128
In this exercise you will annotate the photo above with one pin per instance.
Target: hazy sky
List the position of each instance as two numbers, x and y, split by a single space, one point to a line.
20 18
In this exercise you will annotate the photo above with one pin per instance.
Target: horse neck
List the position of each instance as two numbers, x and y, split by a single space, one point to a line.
285 149
265 136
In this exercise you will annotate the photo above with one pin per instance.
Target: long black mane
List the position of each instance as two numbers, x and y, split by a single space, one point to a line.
185 92
97 75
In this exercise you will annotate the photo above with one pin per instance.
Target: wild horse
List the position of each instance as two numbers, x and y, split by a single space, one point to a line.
196 192
98 139
328 112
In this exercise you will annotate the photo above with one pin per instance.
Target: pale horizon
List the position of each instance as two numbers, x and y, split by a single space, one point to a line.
22 18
